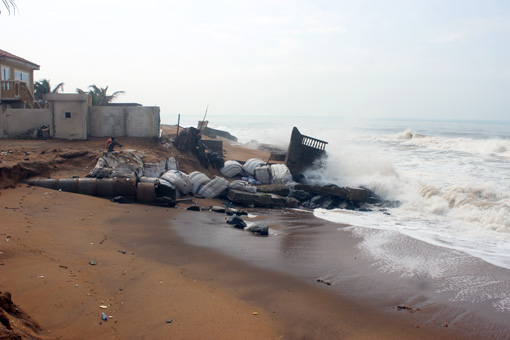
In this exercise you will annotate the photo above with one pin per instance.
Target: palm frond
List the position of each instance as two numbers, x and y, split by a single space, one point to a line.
58 88
10 4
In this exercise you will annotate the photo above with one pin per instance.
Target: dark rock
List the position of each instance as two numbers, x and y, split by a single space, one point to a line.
121 200
329 204
193 208
291 202
237 222
300 195
260 229
228 204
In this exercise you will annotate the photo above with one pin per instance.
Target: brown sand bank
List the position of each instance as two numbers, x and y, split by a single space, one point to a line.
144 273
52 236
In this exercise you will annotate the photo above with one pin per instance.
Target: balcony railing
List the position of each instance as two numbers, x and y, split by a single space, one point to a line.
16 90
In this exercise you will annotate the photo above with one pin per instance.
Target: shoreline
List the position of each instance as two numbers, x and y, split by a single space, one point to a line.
326 255
53 235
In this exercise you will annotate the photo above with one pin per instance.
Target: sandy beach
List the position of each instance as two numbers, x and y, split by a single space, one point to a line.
66 258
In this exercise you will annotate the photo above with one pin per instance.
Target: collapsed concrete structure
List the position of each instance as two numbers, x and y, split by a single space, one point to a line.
255 183
303 151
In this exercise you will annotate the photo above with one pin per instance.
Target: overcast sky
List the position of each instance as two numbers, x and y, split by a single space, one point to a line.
360 58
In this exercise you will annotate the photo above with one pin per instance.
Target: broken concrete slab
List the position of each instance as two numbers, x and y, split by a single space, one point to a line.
352 194
256 199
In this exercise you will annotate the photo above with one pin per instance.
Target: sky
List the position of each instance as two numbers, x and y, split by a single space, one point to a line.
355 59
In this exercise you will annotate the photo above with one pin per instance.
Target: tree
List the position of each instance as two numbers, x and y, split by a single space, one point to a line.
8 4
99 95
42 87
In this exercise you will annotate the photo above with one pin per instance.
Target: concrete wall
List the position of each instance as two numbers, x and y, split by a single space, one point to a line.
123 121
70 115
16 122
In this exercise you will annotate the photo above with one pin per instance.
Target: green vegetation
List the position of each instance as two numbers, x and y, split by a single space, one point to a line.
99 95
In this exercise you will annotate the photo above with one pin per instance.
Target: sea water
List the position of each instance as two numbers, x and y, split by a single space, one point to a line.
446 183
443 188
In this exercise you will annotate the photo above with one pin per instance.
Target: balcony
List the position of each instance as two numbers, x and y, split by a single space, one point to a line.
16 91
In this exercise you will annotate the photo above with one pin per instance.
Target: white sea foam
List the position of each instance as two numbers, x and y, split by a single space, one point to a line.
450 181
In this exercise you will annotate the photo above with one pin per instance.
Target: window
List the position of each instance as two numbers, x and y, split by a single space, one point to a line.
68 114
20 75
5 73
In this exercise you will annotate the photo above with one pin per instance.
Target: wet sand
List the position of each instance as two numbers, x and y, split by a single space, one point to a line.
148 271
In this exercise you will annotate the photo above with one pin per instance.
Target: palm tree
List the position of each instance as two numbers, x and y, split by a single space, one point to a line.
42 87
99 95
8 4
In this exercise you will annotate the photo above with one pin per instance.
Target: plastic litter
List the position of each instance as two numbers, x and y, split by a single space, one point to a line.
104 316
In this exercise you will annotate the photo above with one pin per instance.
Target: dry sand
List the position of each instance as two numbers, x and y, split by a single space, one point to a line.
145 275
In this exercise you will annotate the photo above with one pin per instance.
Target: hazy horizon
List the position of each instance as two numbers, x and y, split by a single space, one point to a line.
357 60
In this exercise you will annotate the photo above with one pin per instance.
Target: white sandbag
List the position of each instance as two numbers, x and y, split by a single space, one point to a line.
231 169
263 174
180 180
280 174
199 179
157 169
214 188
251 164
242 186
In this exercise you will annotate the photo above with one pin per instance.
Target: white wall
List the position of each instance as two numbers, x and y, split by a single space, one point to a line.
82 121
16 122
123 121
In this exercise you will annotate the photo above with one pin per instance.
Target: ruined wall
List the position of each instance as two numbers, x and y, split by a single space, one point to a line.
123 121
16 122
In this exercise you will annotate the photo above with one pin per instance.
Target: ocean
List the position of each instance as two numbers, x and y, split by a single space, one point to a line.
444 183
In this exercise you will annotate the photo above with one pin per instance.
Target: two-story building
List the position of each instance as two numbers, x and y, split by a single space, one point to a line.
16 81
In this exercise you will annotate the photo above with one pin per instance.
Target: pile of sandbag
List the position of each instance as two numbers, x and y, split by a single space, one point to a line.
242 186
199 179
251 164
214 188
180 180
202 185
256 171
231 169
280 174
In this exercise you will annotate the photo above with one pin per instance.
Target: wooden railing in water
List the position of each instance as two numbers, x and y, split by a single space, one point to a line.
313 142
303 151
17 90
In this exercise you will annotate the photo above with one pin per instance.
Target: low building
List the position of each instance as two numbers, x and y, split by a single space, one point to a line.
68 115
16 81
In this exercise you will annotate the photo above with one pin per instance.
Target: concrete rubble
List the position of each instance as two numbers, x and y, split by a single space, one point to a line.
252 183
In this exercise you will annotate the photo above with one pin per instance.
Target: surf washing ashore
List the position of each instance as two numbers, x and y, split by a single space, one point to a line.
445 227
